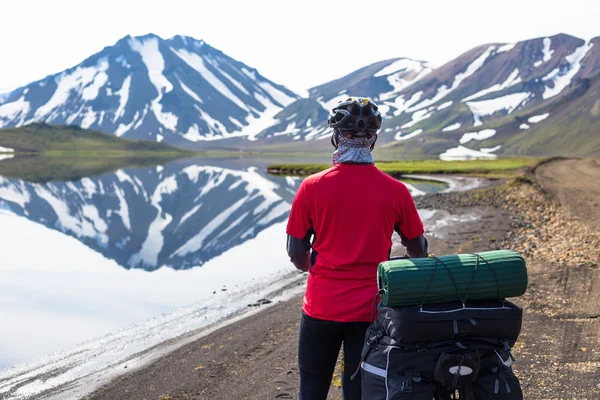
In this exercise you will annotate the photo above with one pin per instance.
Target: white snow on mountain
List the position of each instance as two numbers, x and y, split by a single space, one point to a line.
490 149
560 78
538 118
411 135
481 135
452 127
396 73
484 108
444 105
15 111
329 104
506 48
417 117
463 153
444 91
546 50
512 80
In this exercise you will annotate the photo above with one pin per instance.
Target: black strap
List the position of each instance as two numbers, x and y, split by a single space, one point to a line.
493 273
437 260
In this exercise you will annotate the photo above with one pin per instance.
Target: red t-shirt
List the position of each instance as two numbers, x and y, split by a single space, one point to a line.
353 209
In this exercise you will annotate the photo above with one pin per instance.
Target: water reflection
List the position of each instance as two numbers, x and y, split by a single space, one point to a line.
178 216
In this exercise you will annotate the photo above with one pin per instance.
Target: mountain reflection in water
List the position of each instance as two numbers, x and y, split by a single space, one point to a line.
178 216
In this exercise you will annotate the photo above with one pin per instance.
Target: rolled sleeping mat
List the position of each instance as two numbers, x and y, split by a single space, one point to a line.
480 276
455 321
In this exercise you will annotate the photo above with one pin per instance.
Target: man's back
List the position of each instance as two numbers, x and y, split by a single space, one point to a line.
353 210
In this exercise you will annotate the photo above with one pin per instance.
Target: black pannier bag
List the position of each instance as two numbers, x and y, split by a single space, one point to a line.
392 373
455 321
481 370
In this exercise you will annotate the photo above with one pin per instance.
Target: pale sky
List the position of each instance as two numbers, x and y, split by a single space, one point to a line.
299 44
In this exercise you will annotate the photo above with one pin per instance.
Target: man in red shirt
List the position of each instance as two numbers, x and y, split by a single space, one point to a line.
350 212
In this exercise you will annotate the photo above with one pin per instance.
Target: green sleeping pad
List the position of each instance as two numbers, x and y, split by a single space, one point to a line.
482 276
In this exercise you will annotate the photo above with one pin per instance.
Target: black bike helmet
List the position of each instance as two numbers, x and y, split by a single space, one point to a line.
357 117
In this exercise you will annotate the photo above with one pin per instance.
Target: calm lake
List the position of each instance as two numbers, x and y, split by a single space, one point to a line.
111 265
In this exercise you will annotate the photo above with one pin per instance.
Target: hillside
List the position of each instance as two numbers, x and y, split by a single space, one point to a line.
71 140
42 153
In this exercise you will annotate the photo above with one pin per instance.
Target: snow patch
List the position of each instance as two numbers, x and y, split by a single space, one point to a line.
538 118
276 94
561 77
512 80
483 108
289 130
6 150
234 82
444 91
463 153
505 48
546 50
451 128
197 63
400 65
524 127
190 92
155 63
444 105
491 149
91 92
16 109
417 117
481 135
411 135
123 94
329 104
78 79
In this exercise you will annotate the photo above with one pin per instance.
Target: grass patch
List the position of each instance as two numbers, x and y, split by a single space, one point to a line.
59 141
503 167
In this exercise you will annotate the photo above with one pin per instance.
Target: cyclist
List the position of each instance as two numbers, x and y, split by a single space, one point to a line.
346 215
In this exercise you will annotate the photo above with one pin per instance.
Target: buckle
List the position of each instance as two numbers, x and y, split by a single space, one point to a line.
406 387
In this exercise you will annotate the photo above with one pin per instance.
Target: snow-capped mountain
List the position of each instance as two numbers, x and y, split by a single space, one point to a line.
494 98
538 96
305 119
179 90
181 215
516 98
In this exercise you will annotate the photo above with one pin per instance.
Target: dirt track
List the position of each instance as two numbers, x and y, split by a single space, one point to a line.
560 348
576 185
558 355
